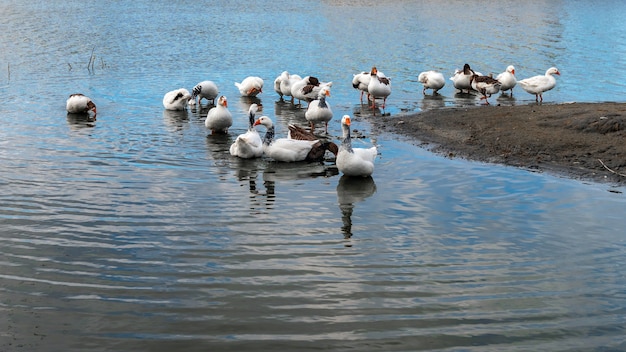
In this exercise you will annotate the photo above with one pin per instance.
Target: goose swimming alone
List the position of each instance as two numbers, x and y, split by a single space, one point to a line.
79 103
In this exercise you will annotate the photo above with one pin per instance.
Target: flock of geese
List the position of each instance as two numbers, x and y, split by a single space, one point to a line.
303 145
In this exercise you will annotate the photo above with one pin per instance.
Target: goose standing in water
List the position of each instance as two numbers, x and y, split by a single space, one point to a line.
361 81
485 85
205 89
354 161
538 85
461 78
507 79
319 110
379 87
219 119
250 87
176 99
307 88
249 144
431 80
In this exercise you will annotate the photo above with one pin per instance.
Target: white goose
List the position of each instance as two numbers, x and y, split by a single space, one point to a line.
319 110
431 80
287 83
219 119
176 99
250 87
249 144
307 88
283 149
508 80
354 161
360 81
485 85
277 81
461 78
205 89
537 85
79 103
379 87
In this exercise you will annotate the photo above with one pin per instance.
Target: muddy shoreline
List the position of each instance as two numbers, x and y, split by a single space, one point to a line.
585 141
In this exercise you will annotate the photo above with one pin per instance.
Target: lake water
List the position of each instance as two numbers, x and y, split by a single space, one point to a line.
139 231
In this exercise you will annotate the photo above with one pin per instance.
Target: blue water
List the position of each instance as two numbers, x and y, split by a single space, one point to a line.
138 231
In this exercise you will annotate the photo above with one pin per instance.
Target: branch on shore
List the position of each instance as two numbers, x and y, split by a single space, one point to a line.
606 167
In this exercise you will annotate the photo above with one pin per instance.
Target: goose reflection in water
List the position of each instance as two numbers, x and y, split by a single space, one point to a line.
351 190
81 120
176 120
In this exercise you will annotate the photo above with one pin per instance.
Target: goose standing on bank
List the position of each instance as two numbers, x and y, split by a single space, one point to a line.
485 85
319 110
431 80
250 87
379 87
283 149
219 119
537 85
319 149
79 103
507 79
354 161
249 144
205 89
176 99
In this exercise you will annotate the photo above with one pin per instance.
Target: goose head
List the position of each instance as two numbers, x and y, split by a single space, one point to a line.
553 71
265 121
511 69
223 101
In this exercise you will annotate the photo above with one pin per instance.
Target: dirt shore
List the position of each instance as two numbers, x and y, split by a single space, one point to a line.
586 141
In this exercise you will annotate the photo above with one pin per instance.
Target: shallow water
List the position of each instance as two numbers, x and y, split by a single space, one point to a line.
140 232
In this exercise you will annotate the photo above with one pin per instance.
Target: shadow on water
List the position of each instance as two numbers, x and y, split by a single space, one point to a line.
351 190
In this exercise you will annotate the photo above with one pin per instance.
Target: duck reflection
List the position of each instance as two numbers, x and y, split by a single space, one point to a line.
433 101
176 120
81 120
351 190
262 197
506 99
245 102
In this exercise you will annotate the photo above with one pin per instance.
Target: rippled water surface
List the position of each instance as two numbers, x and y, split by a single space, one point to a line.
138 231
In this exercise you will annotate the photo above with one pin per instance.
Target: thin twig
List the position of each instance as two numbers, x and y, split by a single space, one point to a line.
91 60
606 167
9 70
